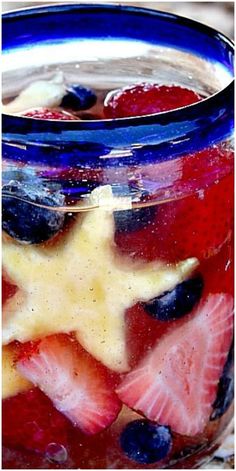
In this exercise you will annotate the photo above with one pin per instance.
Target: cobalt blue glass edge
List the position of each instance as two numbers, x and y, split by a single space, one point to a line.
145 139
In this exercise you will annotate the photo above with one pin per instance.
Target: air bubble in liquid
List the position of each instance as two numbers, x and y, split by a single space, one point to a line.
56 453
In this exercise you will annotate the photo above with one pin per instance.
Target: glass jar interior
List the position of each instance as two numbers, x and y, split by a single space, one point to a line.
108 65
115 54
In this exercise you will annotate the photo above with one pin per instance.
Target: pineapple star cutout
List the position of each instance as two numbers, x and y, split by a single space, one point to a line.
83 285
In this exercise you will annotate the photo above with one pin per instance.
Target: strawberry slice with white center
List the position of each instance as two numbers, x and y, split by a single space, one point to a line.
176 383
78 385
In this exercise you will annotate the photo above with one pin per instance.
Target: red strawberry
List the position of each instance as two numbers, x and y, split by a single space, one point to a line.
176 383
218 271
147 98
47 113
195 226
30 420
77 384
187 174
201 223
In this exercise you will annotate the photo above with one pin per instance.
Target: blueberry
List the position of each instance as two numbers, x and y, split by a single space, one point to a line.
145 442
174 304
225 393
28 176
131 220
19 174
78 98
26 222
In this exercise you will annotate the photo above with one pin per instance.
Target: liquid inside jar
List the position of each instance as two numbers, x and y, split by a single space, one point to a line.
102 67
117 292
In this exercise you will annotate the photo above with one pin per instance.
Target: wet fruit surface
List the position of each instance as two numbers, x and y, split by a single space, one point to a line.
78 98
145 442
77 385
175 304
147 98
175 384
199 224
25 215
225 393
30 421
120 349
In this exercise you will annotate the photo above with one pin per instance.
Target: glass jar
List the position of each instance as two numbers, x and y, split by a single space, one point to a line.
117 246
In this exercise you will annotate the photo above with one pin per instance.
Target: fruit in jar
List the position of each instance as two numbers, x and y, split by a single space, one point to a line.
131 220
26 213
107 343
50 113
92 285
175 304
76 384
218 271
147 98
78 97
145 442
176 383
8 289
29 420
12 381
225 393
198 225
201 224
40 93
42 99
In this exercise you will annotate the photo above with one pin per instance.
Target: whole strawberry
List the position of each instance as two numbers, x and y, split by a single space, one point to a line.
147 98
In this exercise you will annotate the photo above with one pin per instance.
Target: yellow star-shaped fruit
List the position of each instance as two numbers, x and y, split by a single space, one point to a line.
83 285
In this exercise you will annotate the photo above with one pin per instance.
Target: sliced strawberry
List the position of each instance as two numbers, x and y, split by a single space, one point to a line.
29 420
147 98
78 385
47 113
176 383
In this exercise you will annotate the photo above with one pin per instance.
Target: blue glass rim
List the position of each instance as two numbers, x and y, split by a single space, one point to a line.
170 133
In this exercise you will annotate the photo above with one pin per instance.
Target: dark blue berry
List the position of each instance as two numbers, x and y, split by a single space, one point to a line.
174 304
78 98
131 220
26 222
225 393
28 176
19 174
145 442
